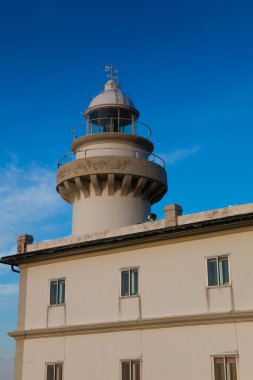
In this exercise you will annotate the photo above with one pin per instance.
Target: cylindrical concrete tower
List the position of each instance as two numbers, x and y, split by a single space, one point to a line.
114 179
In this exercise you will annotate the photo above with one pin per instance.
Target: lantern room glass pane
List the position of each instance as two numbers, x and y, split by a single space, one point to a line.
103 113
111 120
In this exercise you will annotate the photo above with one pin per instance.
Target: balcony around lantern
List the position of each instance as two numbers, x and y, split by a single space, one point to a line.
136 142
134 152
112 125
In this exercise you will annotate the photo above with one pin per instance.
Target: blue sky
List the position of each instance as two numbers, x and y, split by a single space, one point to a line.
188 66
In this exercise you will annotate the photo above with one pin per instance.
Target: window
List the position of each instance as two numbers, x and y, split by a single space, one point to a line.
218 271
131 370
129 282
54 371
57 292
225 368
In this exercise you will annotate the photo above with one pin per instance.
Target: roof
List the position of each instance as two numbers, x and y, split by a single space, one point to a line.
164 233
111 95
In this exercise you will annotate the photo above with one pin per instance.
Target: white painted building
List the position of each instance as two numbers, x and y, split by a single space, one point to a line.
127 298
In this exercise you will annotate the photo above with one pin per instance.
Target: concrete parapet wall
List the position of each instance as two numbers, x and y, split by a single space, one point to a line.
148 226
107 174
111 164
215 214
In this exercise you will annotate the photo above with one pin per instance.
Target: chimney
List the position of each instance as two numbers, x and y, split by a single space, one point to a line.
22 242
171 213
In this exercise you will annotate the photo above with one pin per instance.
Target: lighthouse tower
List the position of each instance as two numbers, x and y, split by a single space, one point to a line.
115 177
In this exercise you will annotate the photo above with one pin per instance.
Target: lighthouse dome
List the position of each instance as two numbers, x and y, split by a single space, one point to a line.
112 96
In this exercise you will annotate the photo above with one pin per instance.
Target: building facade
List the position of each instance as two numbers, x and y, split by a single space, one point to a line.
126 297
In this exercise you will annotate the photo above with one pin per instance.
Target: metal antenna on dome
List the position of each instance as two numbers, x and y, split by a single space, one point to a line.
112 72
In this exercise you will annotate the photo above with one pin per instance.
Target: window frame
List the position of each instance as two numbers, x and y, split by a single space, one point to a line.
218 258
57 291
55 364
225 357
129 269
138 359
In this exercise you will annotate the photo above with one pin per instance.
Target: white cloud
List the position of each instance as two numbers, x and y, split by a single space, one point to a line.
8 290
179 154
28 201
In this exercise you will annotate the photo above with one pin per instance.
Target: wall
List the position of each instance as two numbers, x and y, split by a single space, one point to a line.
112 211
176 353
172 282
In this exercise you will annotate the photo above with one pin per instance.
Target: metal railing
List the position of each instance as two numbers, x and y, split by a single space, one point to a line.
137 153
112 125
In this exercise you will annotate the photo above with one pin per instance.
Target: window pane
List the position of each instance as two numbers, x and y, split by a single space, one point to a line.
58 372
223 271
134 282
212 272
219 370
126 371
50 372
135 370
53 292
61 291
231 369
125 283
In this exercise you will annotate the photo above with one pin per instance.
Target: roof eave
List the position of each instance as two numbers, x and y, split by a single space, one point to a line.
194 228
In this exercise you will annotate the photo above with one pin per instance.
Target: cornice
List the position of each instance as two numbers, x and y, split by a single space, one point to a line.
192 230
141 324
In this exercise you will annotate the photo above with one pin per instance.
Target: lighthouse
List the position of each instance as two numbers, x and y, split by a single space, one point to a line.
124 298
115 176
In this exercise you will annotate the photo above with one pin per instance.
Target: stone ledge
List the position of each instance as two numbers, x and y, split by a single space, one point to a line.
141 324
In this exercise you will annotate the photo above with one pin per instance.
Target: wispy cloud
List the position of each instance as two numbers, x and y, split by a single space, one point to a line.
8 290
28 201
179 154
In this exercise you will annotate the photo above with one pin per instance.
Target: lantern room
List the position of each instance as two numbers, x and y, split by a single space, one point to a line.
111 111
